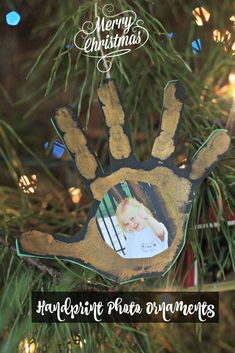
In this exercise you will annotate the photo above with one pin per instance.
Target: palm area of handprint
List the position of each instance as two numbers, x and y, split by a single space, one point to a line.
163 188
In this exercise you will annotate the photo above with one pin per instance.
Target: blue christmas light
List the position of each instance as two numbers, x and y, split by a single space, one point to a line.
13 18
57 148
196 46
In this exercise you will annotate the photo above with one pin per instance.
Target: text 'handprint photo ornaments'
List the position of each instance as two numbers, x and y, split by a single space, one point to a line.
137 223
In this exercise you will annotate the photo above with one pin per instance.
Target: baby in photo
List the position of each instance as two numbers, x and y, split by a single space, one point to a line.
146 236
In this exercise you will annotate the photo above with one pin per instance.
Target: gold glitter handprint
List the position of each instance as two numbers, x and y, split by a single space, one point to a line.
137 223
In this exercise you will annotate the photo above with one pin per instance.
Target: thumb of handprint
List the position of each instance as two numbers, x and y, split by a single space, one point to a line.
158 185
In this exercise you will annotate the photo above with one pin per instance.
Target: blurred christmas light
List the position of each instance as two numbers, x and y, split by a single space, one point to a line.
181 161
231 79
57 148
81 343
201 15
28 184
27 346
221 36
75 194
77 340
13 18
232 18
196 46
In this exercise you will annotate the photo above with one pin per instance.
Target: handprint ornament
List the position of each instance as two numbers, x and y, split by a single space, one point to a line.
137 223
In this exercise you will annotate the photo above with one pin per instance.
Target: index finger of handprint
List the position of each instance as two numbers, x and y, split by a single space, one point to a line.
209 154
165 142
71 132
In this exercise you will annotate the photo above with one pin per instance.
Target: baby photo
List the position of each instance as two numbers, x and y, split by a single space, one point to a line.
127 225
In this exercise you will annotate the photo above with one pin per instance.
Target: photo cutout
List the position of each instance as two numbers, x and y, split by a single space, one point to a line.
133 221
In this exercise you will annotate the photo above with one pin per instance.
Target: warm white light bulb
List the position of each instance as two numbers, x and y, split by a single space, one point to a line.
27 346
232 18
201 15
231 79
28 184
76 194
220 36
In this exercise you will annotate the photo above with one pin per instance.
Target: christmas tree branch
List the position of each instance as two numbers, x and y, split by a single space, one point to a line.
32 262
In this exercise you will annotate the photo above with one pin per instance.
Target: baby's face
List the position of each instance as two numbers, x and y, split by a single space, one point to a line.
133 222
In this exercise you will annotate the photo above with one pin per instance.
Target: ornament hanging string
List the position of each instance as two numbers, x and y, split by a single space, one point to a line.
108 76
